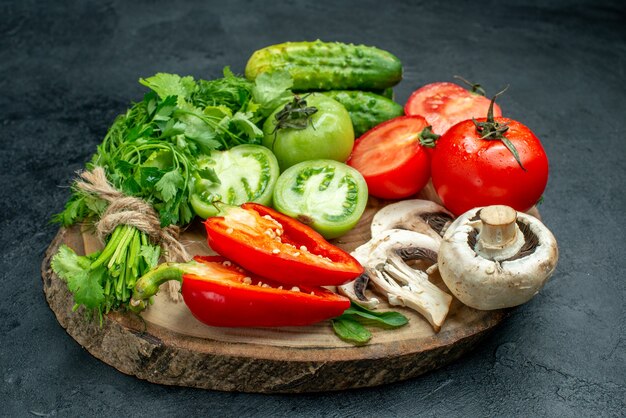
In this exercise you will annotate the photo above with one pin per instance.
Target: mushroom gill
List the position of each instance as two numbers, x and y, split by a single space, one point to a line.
385 260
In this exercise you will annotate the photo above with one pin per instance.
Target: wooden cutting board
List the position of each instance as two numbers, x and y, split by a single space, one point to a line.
168 345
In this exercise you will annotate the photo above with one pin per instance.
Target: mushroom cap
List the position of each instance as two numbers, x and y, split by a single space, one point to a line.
486 284
411 215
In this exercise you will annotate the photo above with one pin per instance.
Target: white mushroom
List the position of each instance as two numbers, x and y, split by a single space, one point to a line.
355 291
417 215
494 257
384 259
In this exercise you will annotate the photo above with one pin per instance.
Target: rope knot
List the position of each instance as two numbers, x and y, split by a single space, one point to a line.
133 211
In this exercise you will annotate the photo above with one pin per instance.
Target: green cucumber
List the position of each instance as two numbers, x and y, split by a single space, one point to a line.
388 93
366 109
328 65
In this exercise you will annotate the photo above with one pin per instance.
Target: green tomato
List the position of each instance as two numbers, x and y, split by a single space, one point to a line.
327 195
245 173
327 135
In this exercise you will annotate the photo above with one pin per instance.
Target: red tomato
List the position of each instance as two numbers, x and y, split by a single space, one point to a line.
469 172
391 158
446 104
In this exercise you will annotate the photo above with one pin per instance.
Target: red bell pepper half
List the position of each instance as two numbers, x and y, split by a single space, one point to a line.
222 294
278 247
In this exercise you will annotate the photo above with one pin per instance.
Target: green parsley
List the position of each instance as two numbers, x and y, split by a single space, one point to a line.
151 152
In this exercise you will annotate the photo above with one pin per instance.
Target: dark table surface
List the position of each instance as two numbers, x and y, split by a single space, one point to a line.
67 69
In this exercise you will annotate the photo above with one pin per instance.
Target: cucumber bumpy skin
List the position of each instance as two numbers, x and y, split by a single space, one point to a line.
328 65
366 109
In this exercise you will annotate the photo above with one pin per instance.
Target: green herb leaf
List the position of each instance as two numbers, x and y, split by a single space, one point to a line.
218 112
95 205
272 90
350 326
150 254
351 330
161 159
165 109
169 184
130 186
83 282
124 167
67 263
203 137
75 210
230 91
166 85
387 319
185 213
149 177
172 127
88 288
243 122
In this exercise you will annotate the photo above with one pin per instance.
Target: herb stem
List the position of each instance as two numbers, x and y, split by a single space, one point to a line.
109 249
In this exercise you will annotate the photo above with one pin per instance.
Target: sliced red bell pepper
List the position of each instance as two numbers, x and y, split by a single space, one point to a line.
278 247
220 293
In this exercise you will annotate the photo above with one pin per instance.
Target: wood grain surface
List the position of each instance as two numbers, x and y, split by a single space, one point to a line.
168 345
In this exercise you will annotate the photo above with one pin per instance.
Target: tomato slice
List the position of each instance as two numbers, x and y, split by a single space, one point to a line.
326 195
247 173
278 247
219 293
446 104
391 158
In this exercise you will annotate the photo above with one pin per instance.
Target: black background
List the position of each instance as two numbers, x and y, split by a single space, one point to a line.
67 68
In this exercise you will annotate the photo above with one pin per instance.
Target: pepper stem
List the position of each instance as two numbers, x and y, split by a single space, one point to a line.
148 285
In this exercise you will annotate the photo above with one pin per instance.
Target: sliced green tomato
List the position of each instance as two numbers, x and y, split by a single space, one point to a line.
247 173
327 195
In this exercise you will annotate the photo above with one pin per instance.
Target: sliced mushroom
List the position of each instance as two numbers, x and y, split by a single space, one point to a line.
416 215
495 257
384 259
355 291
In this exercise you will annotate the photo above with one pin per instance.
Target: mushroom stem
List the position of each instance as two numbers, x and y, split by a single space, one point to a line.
432 302
410 289
499 236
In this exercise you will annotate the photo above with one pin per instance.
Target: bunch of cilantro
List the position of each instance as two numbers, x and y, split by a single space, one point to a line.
151 152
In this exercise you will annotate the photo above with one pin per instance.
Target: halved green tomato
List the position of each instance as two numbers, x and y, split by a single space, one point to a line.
327 195
246 173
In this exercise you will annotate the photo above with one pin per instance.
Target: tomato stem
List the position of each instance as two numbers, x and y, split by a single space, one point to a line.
491 130
295 115
427 137
474 87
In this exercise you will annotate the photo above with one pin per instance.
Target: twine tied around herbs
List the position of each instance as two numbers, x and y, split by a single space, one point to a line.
135 212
